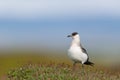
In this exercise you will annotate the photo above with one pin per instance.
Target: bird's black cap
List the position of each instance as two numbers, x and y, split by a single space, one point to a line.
74 33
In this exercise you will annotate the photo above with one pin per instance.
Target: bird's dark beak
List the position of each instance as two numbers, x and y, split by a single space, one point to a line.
69 36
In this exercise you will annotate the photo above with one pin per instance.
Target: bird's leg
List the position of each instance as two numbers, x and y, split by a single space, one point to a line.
74 65
83 69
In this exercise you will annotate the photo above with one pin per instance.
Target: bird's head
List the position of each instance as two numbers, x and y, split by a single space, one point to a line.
74 35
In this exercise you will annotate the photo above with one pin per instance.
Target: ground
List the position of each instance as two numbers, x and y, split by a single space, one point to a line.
42 67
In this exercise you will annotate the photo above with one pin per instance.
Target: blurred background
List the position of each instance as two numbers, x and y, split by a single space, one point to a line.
42 26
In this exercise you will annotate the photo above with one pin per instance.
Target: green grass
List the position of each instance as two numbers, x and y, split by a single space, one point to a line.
57 67
11 61
59 72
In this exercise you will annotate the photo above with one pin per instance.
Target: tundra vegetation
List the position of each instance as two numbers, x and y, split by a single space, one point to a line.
49 67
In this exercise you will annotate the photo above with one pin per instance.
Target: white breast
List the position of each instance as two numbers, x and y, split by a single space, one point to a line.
76 54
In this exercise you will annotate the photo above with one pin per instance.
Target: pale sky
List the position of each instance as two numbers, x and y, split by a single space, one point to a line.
25 9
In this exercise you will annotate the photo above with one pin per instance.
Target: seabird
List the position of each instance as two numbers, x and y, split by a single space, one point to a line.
76 52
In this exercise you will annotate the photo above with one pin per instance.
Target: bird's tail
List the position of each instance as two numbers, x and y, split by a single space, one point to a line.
89 63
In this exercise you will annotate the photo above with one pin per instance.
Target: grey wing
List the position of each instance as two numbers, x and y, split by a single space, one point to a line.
83 49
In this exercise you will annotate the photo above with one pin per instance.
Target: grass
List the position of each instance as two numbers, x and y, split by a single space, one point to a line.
42 67
59 72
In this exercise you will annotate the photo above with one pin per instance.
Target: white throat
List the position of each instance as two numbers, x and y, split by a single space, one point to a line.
76 40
